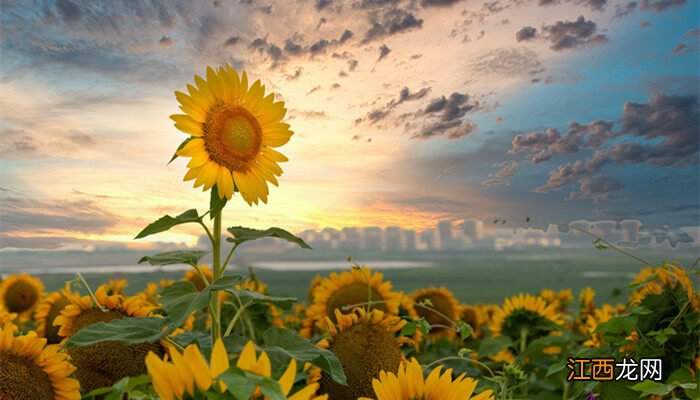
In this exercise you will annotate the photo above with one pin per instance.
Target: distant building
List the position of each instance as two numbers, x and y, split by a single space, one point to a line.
373 238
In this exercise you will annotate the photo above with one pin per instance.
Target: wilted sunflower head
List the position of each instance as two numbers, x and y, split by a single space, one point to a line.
20 294
105 363
351 289
47 311
191 275
408 384
366 344
525 314
233 129
30 370
439 307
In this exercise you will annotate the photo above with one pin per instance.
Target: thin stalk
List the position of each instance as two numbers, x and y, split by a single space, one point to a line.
231 324
84 283
215 301
462 359
206 229
228 257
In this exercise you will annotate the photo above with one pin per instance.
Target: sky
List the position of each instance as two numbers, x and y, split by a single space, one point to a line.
404 112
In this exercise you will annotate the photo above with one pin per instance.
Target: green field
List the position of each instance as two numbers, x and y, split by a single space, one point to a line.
473 278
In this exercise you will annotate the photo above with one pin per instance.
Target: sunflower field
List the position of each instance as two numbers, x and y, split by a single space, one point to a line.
220 334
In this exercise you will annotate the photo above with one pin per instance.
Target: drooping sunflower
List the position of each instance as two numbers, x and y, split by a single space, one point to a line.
30 370
366 344
20 294
47 311
439 307
350 288
104 363
524 318
409 384
233 129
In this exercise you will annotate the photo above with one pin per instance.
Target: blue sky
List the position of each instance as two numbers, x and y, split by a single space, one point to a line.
405 112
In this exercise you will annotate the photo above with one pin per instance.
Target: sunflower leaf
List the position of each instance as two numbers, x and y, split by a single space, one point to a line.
493 345
183 144
165 223
216 204
283 344
128 330
180 300
175 257
241 234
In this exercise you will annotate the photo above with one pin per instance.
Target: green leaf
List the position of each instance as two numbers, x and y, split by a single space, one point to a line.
283 344
241 235
180 300
649 388
242 384
165 223
493 345
409 329
233 343
639 311
175 257
423 325
126 385
249 298
128 330
226 281
556 367
183 144
216 204
465 330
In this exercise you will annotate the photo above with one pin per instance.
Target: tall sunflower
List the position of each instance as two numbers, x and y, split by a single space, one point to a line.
349 288
233 129
439 307
366 344
50 308
524 318
409 384
21 294
30 370
669 277
104 363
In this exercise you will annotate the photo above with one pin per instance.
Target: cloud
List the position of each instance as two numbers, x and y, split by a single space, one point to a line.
622 11
232 41
70 11
661 5
507 62
391 22
166 41
599 189
444 116
564 35
438 3
384 51
541 146
526 33
405 95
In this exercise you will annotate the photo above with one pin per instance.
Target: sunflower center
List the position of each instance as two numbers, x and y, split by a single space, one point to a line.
355 293
232 136
21 296
105 363
441 304
22 379
363 350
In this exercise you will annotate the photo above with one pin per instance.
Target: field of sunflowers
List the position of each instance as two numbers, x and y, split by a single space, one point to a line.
219 334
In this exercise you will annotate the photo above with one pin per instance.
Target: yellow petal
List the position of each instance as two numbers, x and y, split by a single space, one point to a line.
219 358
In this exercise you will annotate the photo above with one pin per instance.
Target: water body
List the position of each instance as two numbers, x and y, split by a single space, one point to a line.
270 265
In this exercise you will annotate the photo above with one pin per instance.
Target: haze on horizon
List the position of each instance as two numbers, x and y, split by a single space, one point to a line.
406 112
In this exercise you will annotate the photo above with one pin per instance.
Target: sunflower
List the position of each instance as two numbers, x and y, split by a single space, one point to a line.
233 129
191 275
599 315
116 286
525 317
21 294
269 313
7 317
561 299
30 370
350 288
47 311
409 384
150 294
669 277
439 307
408 309
249 361
104 363
365 343
473 316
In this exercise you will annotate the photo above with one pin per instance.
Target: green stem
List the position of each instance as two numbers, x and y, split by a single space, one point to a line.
231 324
173 343
565 395
228 257
84 283
461 359
215 302
523 345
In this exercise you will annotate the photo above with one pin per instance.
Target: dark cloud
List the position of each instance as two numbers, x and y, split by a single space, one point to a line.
599 189
392 22
438 3
404 95
565 35
313 89
70 11
166 41
232 40
450 108
661 5
347 35
445 117
628 8
321 4
526 33
384 51
645 24
667 123
352 64
292 48
319 47
541 146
